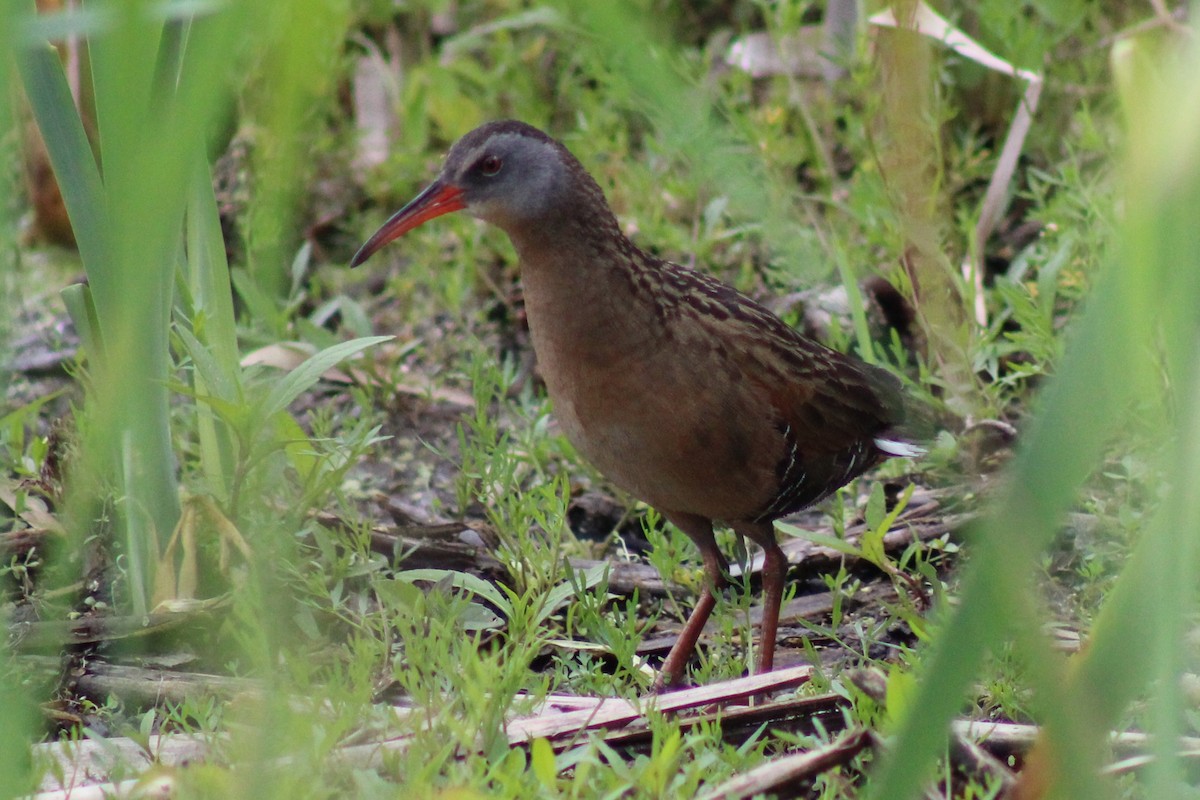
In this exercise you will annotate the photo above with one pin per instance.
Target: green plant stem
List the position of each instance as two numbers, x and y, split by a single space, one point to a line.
17 720
910 160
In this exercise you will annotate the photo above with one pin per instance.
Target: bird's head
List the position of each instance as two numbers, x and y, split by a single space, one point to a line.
507 173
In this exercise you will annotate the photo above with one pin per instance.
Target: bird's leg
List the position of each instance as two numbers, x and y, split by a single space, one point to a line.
774 572
700 531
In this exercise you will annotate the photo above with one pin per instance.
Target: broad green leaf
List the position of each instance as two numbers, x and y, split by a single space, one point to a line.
304 459
212 374
876 506
541 761
459 580
562 593
824 540
308 373
260 305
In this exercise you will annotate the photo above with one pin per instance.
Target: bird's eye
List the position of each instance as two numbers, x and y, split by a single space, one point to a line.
490 165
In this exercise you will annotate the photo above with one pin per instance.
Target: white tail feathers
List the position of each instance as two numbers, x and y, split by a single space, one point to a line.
899 449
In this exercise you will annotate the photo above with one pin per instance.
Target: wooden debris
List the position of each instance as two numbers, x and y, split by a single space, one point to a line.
56 634
790 770
615 712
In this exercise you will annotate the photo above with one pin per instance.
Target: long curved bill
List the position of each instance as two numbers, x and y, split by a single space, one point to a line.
436 199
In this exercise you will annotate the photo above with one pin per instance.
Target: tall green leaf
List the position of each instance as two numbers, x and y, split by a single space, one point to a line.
17 720
67 143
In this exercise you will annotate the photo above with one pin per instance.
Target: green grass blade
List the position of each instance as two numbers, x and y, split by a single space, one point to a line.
652 80
208 272
19 712
16 724
82 309
459 580
214 346
70 153
210 377
310 371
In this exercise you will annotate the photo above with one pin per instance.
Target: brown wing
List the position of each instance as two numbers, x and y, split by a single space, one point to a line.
828 427
828 408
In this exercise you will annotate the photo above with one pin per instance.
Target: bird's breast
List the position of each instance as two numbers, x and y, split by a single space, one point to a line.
662 424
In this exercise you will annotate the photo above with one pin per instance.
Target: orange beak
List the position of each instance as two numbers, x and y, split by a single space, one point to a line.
437 199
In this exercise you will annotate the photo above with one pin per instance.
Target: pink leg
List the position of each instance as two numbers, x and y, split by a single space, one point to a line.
774 572
699 530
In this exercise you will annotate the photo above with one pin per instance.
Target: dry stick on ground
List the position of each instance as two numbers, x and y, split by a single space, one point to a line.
739 724
144 688
55 634
441 545
616 712
20 543
1012 739
623 578
788 771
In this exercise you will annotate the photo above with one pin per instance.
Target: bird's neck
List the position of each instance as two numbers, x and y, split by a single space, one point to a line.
583 296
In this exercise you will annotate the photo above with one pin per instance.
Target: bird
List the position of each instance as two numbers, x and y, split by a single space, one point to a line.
680 390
